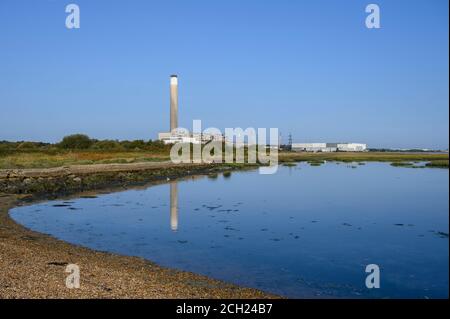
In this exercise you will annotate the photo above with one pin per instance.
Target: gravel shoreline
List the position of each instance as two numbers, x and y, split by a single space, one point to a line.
33 264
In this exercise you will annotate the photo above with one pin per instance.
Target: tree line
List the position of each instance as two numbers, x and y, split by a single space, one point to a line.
84 142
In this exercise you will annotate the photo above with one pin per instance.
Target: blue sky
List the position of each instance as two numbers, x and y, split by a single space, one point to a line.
310 68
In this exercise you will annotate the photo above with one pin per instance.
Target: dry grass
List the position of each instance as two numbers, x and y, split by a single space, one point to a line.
46 160
56 159
438 164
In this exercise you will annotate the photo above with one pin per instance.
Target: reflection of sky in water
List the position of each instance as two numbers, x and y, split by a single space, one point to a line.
305 231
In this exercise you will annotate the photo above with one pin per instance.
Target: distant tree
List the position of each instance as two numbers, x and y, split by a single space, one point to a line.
157 146
76 141
28 145
133 145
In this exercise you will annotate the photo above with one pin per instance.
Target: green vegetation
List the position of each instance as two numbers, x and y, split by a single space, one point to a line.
438 164
289 164
315 163
439 159
76 142
402 164
83 142
227 174
433 164
79 149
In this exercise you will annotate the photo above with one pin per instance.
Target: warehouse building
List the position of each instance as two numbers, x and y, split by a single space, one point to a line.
329 147
352 147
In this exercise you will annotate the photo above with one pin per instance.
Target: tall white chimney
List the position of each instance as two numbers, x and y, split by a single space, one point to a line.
173 102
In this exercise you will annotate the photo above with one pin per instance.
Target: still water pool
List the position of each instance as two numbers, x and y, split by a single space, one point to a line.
305 231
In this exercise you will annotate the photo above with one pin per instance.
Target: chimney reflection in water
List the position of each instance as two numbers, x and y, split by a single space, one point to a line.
174 206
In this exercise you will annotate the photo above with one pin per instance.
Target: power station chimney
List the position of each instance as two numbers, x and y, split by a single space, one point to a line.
173 103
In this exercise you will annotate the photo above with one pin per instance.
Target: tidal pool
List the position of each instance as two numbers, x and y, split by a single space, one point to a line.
305 231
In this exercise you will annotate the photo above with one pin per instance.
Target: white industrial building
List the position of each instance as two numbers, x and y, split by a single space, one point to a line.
352 147
180 136
329 147
177 137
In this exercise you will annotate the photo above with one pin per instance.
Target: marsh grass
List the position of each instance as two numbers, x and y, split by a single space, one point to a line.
432 164
48 160
289 164
24 156
362 157
437 160
438 164
402 164
227 174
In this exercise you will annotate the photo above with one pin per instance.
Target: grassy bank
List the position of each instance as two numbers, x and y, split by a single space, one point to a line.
55 182
57 158
46 159
80 149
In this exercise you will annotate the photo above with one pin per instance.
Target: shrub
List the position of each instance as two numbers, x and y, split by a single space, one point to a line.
133 145
76 141
107 145
27 145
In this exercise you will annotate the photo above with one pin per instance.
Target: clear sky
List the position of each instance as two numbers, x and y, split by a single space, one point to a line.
310 68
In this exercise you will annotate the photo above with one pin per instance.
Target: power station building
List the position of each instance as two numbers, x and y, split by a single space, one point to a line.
173 136
177 134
